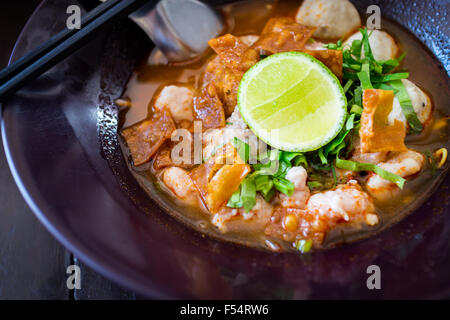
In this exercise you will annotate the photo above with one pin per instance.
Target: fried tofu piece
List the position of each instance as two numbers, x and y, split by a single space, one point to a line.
145 138
220 177
208 108
376 133
234 53
283 34
225 81
331 58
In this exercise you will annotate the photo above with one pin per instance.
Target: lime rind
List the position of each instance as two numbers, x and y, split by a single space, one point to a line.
327 75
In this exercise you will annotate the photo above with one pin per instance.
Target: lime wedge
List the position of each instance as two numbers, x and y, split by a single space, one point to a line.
292 102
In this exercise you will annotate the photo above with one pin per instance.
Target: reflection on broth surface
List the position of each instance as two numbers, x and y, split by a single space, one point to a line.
323 202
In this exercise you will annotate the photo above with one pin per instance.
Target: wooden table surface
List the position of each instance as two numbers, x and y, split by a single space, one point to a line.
32 263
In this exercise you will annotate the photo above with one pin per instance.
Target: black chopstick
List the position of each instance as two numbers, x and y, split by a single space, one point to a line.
41 62
35 54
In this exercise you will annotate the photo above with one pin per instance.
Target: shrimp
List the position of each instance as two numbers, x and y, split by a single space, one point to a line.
324 211
298 176
178 181
229 220
178 100
404 164
345 203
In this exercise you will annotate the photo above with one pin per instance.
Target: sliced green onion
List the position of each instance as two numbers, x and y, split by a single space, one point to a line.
242 148
301 160
248 194
348 85
407 107
356 109
284 186
358 167
335 143
282 169
349 125
235 200
322 157
366 44
364 77
356 48
303 245
390 77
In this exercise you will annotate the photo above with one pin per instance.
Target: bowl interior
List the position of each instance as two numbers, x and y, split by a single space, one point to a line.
60 135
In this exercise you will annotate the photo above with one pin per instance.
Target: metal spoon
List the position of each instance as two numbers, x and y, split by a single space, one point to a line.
179 28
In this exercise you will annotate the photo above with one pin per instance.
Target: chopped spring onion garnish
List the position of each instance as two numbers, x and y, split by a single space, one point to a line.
356 109
248 194
235 200
364 76
390 77
284 186
242 148
358 167
303 245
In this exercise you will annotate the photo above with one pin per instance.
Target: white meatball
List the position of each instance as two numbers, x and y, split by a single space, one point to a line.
298 176
179 102
179 182
382 44
333 19
420 101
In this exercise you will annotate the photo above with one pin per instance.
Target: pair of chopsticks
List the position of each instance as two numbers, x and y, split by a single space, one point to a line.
63 44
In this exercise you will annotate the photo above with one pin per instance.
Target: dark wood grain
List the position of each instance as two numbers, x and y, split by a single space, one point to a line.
96 287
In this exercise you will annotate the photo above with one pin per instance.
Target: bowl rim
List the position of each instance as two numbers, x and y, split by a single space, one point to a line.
125 279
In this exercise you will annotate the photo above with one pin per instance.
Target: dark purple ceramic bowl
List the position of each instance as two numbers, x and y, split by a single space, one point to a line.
60 137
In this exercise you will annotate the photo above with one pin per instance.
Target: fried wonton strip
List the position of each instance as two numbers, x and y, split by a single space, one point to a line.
330 58
283 34
226 82
234 53
145 138
208 108
376 133
220 177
